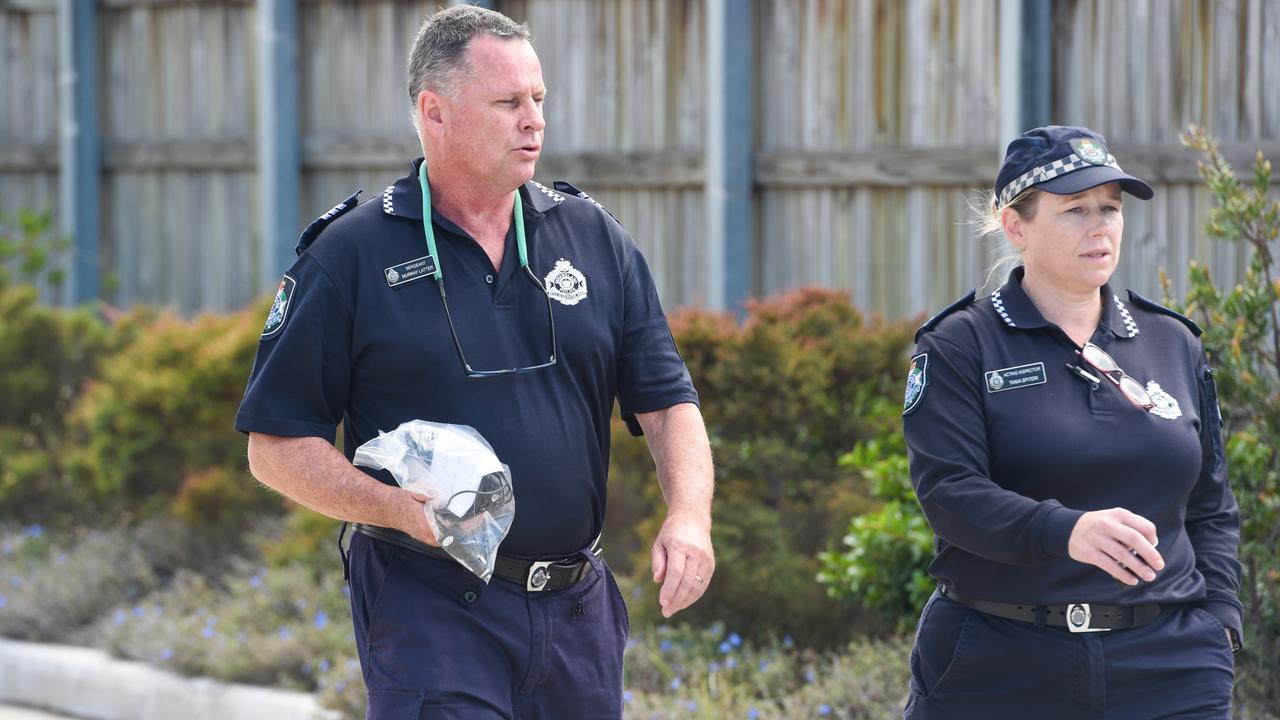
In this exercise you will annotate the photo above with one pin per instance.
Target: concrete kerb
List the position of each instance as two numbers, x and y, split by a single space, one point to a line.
87 683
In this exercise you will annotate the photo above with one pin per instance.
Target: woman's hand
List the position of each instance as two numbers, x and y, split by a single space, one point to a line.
1121 543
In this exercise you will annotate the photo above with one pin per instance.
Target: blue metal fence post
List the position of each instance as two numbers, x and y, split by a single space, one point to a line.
729 154
78 149
279 147
1036 57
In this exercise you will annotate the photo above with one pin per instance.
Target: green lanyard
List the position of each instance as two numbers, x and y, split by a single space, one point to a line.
518 212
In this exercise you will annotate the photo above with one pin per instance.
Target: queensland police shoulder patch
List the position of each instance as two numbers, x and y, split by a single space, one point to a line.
280 308
917 379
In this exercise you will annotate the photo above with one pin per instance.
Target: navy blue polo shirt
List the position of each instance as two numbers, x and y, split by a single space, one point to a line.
1008 448
359 336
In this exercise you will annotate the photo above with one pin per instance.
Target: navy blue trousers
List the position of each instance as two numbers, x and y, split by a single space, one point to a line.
436 642
967 664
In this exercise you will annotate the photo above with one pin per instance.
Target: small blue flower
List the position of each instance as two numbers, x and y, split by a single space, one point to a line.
810 676
256 581
764 665
35 531
692 705
120 617
285 633
339 686
60 559
321 620
824 709
731 663
3 601
139 611
725 647
207 632
627 696
788 642
665 646
735 639
352 664
324 665
166 653
676 683
713 667
752 714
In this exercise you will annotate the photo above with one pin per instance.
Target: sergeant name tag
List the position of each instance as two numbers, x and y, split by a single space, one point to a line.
410 271
1015 377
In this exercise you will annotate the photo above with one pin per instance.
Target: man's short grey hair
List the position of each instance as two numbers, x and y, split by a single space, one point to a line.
437 61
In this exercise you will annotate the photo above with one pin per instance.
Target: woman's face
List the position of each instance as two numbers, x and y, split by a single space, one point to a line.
1072 241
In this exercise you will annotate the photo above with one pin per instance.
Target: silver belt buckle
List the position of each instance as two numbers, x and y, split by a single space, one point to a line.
1079 617
536 580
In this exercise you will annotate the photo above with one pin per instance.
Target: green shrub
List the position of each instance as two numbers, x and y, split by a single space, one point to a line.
785 393
886 565
162 410
1242 338
47 355
29 250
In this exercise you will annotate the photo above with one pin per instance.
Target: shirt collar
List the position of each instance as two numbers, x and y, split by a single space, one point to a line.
403 198
1016 310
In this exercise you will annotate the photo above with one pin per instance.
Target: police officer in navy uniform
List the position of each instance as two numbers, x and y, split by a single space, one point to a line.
1065 445
467 293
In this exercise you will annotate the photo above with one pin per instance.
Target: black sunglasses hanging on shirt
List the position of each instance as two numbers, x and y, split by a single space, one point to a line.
518 220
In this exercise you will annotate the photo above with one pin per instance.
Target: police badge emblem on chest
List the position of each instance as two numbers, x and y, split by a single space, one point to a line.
565 284
1164 404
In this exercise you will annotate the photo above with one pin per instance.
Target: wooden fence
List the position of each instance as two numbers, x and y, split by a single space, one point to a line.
875 121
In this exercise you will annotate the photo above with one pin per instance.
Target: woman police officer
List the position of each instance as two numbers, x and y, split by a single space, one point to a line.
1057 433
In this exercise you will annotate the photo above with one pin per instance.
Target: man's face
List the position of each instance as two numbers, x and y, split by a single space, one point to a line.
493 128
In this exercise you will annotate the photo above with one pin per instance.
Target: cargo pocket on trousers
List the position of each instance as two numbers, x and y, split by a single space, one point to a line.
395 705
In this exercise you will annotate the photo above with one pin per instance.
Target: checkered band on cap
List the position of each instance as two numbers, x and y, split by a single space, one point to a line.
1044 173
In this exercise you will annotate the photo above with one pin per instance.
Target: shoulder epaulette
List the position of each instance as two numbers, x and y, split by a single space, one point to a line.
1156 307
933 321
313 230
565 187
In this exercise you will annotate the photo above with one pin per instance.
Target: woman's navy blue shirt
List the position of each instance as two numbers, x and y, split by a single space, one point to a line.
1008 448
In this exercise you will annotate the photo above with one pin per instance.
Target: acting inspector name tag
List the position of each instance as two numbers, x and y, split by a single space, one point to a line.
1013 378
410 270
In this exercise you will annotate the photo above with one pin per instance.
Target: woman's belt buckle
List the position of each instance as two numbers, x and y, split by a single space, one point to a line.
1079 617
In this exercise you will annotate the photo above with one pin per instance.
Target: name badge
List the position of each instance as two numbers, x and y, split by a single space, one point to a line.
1015 377
410 271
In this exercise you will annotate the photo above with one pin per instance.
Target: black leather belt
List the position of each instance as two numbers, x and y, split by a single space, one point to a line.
532 575
1076 617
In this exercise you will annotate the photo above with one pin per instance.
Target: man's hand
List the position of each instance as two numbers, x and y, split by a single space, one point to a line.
1119 542
413 517
683 561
